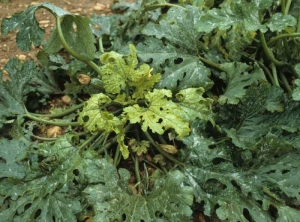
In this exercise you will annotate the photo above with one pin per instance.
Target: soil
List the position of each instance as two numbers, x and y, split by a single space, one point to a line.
8 48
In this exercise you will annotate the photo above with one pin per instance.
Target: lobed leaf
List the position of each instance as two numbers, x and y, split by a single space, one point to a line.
237 79
47 190
120 72
160 114
29 31
10 151
111 198
14 86
179 55
194 105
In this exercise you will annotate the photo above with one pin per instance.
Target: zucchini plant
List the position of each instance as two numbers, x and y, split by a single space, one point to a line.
176 108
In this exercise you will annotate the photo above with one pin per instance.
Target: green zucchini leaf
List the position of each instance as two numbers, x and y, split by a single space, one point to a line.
111 198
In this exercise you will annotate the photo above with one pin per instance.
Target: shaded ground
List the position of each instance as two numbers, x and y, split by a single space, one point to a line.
8 48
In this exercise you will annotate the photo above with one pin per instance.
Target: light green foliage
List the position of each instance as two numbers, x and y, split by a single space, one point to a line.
95 117
194 105
237 78
139 147
170 199
122 77
160 114
120 72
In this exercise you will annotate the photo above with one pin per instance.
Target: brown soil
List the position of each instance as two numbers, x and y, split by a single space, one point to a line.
8 48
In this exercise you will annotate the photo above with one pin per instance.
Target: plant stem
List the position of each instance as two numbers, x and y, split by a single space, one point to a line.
137 172
285 83
268 52
282 4
104 147
117 157
274 71
101 49
164 153
298 26
55 115
43 138
88 141
286 35
287 7
55 123
212 64
98 141
71 51
155 6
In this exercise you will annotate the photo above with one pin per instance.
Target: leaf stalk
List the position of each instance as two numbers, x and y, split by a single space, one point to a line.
268 52
55 123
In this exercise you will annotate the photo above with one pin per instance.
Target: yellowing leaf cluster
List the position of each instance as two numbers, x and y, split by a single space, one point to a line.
131 87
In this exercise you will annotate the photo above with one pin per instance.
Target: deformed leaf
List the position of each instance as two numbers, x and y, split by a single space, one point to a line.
160 114
194 105
139 147
263 109
94 116
120 72
232 13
